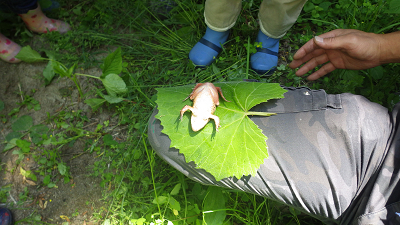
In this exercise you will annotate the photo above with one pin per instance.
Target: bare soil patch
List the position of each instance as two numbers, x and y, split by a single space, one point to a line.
79 199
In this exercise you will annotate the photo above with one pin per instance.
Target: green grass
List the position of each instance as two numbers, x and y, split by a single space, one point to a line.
142 187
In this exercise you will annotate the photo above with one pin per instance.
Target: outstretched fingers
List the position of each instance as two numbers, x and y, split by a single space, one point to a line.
325 69
297 62
306 49
312 62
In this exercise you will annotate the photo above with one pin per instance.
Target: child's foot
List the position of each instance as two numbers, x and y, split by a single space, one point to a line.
265 60
8 50
38 22
207 49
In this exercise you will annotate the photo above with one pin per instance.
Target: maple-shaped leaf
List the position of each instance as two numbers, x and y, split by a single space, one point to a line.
239 147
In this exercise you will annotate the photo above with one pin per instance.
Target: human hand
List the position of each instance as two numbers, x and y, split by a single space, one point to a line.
339 49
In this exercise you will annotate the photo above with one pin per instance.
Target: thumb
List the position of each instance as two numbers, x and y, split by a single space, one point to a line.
330 43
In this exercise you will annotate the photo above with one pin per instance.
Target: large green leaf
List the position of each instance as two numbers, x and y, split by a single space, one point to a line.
114 85
95 103
214 206
239 147
27 54
113 99
48 73
23 123
112 63
60 69
62 168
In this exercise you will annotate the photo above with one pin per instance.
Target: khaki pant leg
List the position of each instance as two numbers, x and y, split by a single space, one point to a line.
278 16
221 15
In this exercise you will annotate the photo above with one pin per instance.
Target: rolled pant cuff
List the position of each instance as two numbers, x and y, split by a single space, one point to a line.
218 29
268 33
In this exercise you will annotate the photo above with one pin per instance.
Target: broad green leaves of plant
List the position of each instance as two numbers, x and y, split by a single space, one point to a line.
22 123
239 147
27 54
112 63
214 206
114 84
111 67
108 140
95 103
48 73
23 145
62 168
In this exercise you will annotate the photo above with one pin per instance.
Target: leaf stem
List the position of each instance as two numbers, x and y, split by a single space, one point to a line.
87 75
251 113
150 157
73 78
248 57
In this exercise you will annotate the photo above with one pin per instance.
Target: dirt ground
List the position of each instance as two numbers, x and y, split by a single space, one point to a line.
83 194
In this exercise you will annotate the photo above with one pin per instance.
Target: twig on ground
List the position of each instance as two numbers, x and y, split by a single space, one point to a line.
12 198
97 122
20 92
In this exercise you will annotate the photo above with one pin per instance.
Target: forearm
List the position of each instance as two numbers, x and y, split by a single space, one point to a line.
390 47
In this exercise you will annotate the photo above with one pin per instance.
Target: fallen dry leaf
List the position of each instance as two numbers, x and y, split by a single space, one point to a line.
65 218
30 182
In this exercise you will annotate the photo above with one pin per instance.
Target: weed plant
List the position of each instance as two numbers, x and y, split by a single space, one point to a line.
140 188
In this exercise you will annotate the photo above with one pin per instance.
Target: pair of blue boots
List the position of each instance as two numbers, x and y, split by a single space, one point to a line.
263 62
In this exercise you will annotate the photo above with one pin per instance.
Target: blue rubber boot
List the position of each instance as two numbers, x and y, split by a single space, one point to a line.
6 217
265 60
207 49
